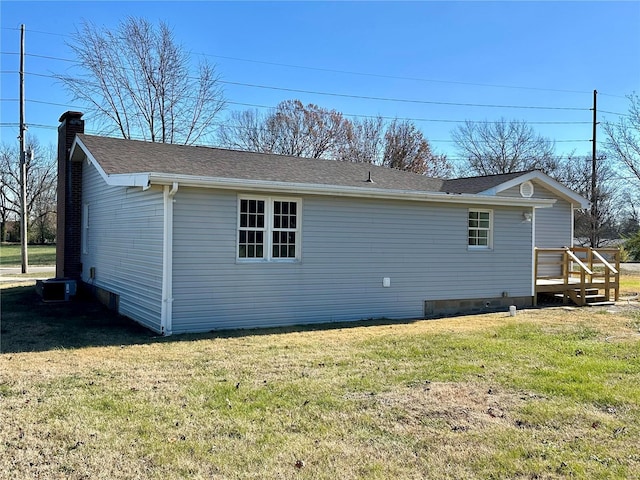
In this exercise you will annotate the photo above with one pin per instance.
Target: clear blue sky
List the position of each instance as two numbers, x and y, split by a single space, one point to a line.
537 54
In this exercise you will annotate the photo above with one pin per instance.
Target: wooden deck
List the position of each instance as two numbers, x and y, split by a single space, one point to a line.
582 275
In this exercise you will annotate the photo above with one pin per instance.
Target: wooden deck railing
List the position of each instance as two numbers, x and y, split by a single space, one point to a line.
578 273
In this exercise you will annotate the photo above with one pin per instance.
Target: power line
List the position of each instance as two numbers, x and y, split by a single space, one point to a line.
365 97
42 102
391 77
222 124
346 72
37 31
450 158
353 115
614 113
48 57
399 100
334 94
612 95
332 70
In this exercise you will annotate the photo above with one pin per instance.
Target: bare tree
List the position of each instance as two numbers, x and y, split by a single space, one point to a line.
629 219
290 129
137 81
503 147
575 173
41 189
6 211
305 131
406 149
245 130
315 132
623 138
363 141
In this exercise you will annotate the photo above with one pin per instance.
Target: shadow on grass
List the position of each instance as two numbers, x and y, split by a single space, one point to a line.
30 325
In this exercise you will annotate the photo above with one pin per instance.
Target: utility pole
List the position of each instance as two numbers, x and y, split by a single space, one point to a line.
594 191
23 167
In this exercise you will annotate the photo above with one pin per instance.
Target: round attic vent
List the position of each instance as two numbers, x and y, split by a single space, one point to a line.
526 189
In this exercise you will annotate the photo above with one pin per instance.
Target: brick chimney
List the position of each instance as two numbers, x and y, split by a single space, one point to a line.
68 243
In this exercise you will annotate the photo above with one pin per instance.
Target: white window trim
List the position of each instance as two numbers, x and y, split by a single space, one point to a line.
269 229
489 245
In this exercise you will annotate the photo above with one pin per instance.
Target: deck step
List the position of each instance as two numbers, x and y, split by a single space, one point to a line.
592 297
587 291
601 304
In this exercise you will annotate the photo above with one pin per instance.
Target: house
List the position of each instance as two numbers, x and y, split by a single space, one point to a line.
191 239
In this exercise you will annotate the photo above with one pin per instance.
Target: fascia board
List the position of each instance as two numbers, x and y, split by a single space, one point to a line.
549 182
78 148
121 180
129 180
334 190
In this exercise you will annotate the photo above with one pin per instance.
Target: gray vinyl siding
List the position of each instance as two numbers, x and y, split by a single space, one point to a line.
124 245
553 225
348 246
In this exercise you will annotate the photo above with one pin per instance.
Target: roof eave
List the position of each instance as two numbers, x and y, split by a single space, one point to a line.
345 191
79 152
553 185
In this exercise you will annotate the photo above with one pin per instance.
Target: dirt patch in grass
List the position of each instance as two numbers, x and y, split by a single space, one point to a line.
458 406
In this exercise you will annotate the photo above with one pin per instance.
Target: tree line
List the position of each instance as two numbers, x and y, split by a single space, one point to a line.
137 82
310 131
41 169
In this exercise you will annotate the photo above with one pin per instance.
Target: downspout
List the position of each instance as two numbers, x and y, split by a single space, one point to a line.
573 223
533 255
168 194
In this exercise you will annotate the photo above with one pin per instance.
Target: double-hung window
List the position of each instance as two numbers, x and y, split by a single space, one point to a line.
480 229
268 228
252 228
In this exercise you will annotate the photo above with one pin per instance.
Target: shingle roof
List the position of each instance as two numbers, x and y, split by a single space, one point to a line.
479 184
119 156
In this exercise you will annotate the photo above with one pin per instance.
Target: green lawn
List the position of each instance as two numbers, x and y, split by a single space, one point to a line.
10 255
629 285
550 393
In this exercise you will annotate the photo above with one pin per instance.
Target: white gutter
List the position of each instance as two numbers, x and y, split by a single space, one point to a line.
345 191
167 259
144 180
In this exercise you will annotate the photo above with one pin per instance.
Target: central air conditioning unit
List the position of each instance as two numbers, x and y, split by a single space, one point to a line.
56 290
